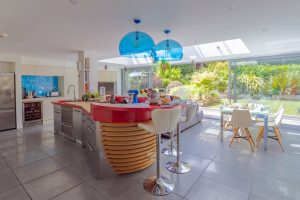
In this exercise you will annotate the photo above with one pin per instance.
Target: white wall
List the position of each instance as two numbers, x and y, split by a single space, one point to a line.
34 66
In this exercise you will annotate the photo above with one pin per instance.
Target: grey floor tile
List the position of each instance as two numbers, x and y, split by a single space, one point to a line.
84 169
231 175
25 158
17 193
34 170
282 166
12 151
80 192
138 192
8 180
240 156
115 187
3 164
11 142
211 190
198 164
69 157
254 197
274 189
51 185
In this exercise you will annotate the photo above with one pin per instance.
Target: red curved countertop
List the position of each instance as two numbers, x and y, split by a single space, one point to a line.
115 113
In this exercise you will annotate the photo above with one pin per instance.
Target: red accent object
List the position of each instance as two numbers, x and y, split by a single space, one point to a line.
115 114
111 114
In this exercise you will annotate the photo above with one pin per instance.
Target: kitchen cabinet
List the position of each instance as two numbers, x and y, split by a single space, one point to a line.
88 132
57 119
107 76
77 123
67 122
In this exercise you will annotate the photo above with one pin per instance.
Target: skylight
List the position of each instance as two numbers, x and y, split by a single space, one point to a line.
195 52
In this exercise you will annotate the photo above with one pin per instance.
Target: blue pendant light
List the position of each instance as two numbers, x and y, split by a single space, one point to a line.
168 50
136 44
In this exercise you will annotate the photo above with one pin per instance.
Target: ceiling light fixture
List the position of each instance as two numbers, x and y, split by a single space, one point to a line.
3 35
136 44
74 2
168 50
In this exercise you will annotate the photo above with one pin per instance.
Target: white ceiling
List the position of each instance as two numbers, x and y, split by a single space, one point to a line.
56 29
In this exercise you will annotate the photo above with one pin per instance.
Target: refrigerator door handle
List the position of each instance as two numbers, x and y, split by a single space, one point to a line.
6 111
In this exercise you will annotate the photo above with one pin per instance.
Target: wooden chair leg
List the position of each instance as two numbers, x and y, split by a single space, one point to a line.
235 131
278 129
260 131
250 140
277 133
261 135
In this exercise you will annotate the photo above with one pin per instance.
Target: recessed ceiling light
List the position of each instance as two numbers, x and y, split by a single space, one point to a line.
229 7
33 29
74 2
3 35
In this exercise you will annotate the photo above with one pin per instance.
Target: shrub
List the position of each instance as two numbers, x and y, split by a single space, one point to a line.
186 92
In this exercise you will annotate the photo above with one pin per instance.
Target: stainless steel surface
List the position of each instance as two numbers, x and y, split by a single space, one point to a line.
158 187
170 150
67 129
67 115
72 87
57 119
7 101
178 166
77 123
7 119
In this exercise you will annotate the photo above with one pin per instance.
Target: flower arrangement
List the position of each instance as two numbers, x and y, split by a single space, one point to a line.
150 92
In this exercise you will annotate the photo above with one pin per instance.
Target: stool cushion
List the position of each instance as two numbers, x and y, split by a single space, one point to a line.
148 127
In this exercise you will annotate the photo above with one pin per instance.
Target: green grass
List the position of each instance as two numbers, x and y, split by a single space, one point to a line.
291 107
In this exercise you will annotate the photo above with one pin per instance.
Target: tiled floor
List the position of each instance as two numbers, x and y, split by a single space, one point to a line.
36 164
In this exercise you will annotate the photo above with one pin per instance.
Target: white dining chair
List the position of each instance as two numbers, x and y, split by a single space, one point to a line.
163 121
241 121
275 125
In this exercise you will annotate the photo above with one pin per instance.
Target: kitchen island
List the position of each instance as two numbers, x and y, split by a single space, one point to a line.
111 132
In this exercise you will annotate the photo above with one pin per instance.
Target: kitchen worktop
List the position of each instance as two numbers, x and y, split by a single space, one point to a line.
114 113
85 106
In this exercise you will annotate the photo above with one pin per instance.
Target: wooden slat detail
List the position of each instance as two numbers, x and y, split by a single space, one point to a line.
132 152
118 124
126 138
134 170
128 143
149 155
124 133
121 129
132 167
132 163
128 147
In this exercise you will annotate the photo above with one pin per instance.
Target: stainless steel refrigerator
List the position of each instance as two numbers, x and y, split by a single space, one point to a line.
7 101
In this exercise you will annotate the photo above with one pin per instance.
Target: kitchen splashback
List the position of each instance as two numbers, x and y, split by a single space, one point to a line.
40 84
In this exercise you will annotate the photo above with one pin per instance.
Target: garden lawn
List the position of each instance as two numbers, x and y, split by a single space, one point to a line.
290 107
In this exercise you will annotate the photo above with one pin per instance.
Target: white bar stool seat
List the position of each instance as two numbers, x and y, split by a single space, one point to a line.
163 121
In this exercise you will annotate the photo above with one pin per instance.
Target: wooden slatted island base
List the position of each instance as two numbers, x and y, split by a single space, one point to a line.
127 147
111 132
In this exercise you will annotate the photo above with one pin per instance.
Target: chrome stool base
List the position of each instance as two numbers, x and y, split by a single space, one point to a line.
178 167
169 151
158 187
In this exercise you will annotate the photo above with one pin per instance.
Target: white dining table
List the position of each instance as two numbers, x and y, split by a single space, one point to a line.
258 112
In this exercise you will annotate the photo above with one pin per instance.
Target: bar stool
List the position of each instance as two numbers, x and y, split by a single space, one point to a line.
163 120
179 166
170 150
